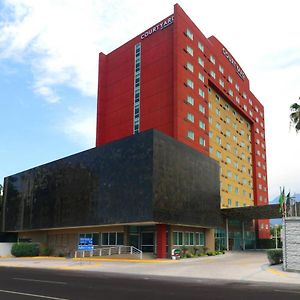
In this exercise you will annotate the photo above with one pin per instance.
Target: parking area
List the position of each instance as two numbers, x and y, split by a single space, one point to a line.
240 266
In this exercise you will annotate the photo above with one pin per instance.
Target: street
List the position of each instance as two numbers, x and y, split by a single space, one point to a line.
22 283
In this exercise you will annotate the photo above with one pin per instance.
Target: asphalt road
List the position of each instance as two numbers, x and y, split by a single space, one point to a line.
25 284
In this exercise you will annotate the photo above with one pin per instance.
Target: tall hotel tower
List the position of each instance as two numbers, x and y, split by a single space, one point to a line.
174 79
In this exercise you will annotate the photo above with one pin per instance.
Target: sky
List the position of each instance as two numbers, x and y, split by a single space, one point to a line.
49 59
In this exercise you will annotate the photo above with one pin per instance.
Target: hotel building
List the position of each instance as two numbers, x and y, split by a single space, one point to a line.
174 79
180 139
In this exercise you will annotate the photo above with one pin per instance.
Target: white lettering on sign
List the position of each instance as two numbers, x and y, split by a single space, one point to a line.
162 25
238 69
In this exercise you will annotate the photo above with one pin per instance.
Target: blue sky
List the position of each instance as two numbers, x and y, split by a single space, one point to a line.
49 58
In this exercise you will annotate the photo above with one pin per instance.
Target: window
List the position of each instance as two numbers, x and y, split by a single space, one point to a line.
221 69
190 135
236 190
210 149
213 74
209 105
217 98
218 126
229 79
229 187
190 100
236 165
244 95
190 83
202 141
229 174
201 77
200 46
230 92
228 160
210 120
212 59
229 202
189 34
237 87
218 112
201 93
190 117
221 82
227 120
201 61
237 99
112 238
218 140
228 147
178 238
228 133
190 67
245 107
202 125
202 108
219 154
190 50
210 134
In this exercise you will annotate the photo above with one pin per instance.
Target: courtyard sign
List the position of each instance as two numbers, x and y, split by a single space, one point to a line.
238 69
162 25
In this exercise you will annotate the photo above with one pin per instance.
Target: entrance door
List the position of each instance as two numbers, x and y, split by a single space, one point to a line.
134 240
147 241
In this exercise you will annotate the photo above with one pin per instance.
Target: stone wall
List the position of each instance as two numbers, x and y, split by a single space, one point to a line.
291 249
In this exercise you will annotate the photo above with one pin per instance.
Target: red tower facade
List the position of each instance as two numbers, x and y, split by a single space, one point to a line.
162 79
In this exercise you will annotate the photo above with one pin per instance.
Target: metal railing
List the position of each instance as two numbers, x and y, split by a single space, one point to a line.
107 251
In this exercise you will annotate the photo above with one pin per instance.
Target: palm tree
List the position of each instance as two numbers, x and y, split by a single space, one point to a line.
295 116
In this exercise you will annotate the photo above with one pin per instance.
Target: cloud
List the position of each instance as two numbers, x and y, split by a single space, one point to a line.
80 127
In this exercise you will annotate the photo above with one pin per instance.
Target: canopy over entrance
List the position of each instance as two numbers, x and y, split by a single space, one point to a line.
253 212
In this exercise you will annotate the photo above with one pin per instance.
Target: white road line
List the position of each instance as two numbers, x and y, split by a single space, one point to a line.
287 291
36 280
32 295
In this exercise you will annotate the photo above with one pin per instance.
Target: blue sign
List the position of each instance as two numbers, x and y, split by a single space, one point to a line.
85 244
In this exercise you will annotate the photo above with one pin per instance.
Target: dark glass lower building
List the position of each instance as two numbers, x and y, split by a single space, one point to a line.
147 190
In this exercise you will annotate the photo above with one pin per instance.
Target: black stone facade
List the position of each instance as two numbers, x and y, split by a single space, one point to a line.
148 177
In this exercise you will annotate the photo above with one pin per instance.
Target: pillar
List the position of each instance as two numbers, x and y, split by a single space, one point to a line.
210 239
227 234
161 239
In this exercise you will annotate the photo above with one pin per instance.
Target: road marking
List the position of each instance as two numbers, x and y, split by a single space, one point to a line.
288 291
32 295
36 280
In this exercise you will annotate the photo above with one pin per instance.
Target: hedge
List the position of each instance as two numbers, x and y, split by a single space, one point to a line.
25 249
274 256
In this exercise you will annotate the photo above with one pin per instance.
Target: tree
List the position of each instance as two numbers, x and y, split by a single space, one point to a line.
295 116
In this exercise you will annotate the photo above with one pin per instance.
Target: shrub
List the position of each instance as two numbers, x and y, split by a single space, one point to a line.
274 256
184 250
25 249
189 255
45 251
197 250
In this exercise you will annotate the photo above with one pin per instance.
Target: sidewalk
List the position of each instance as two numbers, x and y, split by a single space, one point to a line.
240 266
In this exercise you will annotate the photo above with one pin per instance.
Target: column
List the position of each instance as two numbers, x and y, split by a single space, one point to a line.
161 238
227 234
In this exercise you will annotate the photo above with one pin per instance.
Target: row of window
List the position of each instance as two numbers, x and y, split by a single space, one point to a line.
212 59
181 238
137 84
